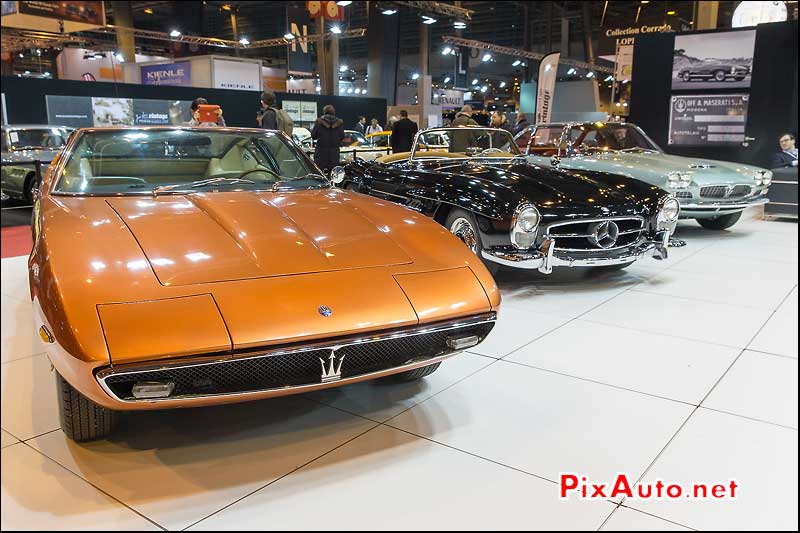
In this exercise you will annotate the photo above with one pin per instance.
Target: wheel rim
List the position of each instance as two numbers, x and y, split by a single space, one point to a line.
720 76
462 228
686 76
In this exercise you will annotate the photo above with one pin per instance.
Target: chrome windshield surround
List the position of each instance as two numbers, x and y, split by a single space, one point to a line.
512 145
138 368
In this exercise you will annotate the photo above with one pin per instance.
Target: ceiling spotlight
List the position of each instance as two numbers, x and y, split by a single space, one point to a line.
671 12
318 88
516 63
289 36
446 50
590 74
625 81
226 7
343 3
336 29
46 74
609 78
475 81
486 57
21 54
415 76
174 33
484 89
243 41
343 68
447 79
389 11
349 90
625 104
27 72
459 25
502 84
148 11
428 20
571 71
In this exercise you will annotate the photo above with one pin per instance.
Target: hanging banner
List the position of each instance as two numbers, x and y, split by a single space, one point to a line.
169 74
298 22
624 63
548 69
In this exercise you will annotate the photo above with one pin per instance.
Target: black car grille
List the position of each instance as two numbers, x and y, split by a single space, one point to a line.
250 373
576 235
724 191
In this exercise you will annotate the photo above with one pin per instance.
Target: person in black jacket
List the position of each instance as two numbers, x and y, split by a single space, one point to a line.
328 131
403 132
521 123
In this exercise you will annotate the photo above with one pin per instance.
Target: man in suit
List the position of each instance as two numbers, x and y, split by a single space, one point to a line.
787 157
361 125
403 133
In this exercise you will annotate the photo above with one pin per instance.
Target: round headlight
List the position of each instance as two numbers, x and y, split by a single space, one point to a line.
338 174
528 219
671 209
763 177
523 234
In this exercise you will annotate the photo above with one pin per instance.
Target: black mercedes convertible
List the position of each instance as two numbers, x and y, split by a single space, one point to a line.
512 213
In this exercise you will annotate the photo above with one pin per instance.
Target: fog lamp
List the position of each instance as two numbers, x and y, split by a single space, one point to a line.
152 389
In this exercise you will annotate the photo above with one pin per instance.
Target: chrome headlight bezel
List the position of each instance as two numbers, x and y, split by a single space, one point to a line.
669 210
763 178
524 226
678 180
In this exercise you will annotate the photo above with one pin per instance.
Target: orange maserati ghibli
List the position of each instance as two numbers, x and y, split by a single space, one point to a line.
183 267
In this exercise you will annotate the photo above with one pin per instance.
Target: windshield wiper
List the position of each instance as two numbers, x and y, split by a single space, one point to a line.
199 183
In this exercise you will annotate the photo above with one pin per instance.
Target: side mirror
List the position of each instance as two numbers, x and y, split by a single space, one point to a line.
337 175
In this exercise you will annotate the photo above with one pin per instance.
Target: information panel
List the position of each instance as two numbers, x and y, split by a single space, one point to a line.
707 120
87 111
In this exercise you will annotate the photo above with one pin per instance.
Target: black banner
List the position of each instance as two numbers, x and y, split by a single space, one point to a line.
298 23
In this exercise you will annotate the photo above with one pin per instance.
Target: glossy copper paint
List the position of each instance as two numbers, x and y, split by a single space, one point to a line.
96 259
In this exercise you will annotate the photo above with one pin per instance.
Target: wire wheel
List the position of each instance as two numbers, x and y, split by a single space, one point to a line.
462 228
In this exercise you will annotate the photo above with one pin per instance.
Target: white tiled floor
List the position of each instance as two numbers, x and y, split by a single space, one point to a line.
683 370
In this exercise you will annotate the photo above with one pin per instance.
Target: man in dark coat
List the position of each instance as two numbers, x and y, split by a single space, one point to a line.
328 132
403 132
521 123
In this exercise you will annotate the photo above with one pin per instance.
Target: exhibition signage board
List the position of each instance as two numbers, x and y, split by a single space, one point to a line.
447 98
722 60
300 111
62 17
625 35
707 120
302 86
86 111
624 63
239 75
298 21
168 74
548 70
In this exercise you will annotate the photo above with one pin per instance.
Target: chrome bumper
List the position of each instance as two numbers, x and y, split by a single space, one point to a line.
545 259
714 207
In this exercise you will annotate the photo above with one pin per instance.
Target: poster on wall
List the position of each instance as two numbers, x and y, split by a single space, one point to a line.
73 111
161 112
169 74
112 111
308 111
707 120
86 111
713 60
240 75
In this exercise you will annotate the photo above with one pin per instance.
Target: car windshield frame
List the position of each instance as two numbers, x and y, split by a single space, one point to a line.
242 137
451 133
567 145
63 132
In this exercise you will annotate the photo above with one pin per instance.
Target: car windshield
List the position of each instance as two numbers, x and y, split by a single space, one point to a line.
586 138
464 143
354 138
156 161
37 139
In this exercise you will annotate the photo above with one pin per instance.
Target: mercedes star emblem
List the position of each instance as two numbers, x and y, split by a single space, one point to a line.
604 234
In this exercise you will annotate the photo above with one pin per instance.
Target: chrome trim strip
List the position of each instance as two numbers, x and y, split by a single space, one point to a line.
719 206
138 368
785 182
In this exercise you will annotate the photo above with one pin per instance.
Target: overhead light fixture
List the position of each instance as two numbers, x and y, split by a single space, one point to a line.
590 74
446 50
571 71
243 41
21 54
502 85
46 74
415 76
625 81
459 25
344 3
428 20
318 88
447 79
343 68
484 89
486 57
27 72
625 104
289 36
336 29
226 7
475 81
349 90
175 33
516 63
609 78
389 11
671 12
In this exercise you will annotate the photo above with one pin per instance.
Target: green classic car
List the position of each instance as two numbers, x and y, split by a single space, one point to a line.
23 146
713 192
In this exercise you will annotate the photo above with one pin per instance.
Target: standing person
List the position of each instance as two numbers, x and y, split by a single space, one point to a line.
374 127
787 157
196 120
328 131
462 140
273 118
521 123
403 132
499 121
361 125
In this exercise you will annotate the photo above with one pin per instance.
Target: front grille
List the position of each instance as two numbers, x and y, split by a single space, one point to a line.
250 373
725 191
576 236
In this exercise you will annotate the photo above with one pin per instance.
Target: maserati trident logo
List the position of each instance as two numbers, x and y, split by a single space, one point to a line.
324 310
332 373
604 234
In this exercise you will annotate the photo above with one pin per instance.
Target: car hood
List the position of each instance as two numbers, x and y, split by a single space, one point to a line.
654 167
202 238
29 156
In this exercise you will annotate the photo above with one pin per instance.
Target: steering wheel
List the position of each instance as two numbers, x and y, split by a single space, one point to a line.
491 151
258 169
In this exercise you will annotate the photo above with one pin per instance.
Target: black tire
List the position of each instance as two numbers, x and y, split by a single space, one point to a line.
81 418
27 191
721 222
469 234
686 76
413 375
719 75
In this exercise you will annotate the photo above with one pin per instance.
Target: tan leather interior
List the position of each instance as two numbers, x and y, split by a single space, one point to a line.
433 154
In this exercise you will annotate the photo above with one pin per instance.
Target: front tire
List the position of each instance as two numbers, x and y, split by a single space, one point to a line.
686 76
464 225
413 375
721 222
81 418
27 191
719 76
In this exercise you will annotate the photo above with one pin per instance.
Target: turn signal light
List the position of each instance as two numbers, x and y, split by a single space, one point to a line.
462 343
152 389
45 335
